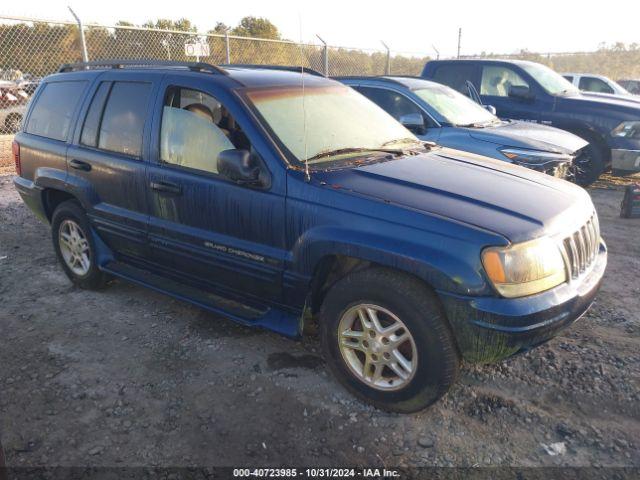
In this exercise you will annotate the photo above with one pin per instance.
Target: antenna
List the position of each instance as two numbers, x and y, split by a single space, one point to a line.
304 112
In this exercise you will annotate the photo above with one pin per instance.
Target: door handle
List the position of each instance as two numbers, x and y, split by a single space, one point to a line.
80 165
167 187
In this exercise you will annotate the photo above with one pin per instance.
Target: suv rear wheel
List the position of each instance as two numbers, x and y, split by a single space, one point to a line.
386 340
75 247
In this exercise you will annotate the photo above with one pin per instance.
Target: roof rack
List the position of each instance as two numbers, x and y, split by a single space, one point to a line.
286 68
116 64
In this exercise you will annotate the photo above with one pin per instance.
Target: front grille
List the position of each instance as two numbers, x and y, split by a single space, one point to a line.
581 248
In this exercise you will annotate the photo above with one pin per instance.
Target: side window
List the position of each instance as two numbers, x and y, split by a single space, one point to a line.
195 129
455 76
91 126
593 84
392 102
496 81
123 119
52 113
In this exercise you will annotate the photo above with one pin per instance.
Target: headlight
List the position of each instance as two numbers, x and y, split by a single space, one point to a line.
533 157
629 129
525 268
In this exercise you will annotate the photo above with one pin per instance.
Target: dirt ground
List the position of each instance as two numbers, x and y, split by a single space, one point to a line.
129 377
6 161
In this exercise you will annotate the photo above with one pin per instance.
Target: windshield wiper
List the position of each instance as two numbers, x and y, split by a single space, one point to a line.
339 151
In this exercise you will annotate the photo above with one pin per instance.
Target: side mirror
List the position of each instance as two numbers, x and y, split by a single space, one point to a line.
414 122
521 91
491 109
239 167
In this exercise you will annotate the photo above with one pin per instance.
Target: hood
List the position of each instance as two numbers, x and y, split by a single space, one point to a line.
610 96
530 136
513 201
617 103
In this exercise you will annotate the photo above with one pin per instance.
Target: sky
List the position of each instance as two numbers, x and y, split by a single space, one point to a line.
406 26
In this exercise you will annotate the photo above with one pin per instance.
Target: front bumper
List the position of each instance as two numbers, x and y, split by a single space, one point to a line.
488 329
554 168
625 161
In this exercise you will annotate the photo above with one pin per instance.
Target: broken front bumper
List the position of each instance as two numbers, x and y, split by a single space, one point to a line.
488 329
625 161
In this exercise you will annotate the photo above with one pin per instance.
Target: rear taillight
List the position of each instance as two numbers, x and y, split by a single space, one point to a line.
15 149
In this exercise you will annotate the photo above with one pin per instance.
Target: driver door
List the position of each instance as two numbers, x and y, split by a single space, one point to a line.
494 90
203 227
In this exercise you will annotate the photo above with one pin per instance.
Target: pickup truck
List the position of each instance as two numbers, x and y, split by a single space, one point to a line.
276 197
522 90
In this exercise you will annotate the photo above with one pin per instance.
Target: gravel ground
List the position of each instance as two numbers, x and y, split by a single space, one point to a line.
6 161
131 377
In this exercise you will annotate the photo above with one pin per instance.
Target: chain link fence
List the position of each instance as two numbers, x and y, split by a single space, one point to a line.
32 47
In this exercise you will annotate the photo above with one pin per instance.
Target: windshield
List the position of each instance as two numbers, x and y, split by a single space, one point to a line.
454 107
551 81
329 123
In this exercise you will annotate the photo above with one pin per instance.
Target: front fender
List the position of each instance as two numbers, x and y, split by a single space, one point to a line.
447 264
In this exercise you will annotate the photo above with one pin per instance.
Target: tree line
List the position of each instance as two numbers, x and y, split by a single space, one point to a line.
40 48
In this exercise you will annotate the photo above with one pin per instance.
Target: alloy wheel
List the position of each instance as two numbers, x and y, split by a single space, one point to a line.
377 347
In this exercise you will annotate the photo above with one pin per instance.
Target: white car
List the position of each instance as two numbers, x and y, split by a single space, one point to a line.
13 105
588 82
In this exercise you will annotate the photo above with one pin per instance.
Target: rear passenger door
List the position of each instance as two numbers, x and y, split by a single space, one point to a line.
204 228
107 161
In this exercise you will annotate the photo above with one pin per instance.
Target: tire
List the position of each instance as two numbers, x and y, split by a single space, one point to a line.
392 295
589 164
83 273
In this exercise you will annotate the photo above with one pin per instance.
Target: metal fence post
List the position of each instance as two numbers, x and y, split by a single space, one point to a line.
226 45
387 70
325 56
85 57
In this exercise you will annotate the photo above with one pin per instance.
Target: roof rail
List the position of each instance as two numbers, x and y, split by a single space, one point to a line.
116 64
286 68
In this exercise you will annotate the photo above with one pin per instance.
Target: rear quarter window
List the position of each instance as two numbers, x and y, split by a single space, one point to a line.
455 76
52 113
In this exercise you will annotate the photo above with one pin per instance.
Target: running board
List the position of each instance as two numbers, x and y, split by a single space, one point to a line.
270 318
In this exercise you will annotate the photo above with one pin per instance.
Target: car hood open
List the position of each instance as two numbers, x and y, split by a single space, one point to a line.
530 136
513 201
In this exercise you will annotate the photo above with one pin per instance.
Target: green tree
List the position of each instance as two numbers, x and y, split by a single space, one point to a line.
181 25
256 27
220 28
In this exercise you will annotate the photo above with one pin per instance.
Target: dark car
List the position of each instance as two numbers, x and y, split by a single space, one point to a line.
437 113
529 91
632 86
275 197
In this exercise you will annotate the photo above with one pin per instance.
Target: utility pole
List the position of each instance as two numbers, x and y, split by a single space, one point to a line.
325 56
83 44
387 68
459 40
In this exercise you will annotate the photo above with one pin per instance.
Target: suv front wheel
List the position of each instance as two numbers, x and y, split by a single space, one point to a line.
75 247
387 341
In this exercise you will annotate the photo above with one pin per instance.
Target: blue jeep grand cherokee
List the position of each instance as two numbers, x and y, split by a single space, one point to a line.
275 196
